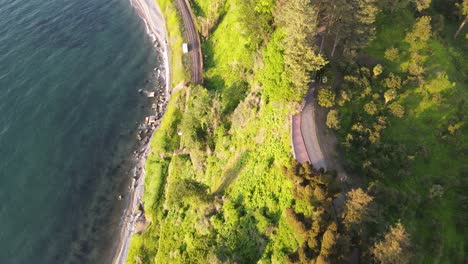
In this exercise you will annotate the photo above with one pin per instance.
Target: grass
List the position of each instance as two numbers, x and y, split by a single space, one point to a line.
445 74
175 39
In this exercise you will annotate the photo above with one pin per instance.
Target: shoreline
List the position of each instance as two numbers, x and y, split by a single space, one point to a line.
150 12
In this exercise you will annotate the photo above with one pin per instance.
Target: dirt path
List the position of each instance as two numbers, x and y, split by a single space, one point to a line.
193 40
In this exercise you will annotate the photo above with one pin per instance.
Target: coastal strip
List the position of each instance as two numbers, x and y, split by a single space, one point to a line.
151 14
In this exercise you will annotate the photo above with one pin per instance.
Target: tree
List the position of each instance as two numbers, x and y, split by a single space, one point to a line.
358 209
422 5
371 108
256 18
333 119
326 97
464 11
297 18
393 5
392 54
365 13
396 109
420 33
329 240
394 248
377 70
295 222
351 30
197 118
393 81
390 95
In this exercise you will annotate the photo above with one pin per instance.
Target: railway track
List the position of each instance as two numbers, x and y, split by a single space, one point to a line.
193 41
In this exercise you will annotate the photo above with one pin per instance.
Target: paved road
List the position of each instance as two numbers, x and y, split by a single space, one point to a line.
299 148
304 138
193 40
309 132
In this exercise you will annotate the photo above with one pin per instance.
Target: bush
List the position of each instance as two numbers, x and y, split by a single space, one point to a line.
371 108
393 81
326 97
396 110
378 69
333 120
392 54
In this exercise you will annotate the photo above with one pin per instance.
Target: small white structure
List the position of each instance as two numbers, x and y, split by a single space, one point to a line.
184 48
150 94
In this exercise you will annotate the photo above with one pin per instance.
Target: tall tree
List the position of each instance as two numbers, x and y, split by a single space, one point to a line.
297 18
420 33
359 208
464 12
394 248
256 17
422 5
393 5
351 30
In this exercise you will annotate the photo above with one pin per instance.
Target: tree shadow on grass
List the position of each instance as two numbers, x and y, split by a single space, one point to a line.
231 174
198 11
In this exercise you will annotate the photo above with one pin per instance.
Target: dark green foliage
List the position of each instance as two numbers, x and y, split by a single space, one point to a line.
349 31
297 19
198 117
189 191
393 5
256 18
318 234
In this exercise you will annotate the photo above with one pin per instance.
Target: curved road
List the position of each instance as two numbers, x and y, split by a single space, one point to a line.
305 141
309 132
193 41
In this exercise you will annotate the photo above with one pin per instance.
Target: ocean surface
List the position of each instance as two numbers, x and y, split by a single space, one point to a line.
70 71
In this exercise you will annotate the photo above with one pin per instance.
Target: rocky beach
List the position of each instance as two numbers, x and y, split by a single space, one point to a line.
150 13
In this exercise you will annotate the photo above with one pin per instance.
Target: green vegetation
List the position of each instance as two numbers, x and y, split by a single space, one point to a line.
404 128
222 185
175 39
217 191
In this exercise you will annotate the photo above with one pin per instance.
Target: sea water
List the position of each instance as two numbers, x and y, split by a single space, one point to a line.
70 71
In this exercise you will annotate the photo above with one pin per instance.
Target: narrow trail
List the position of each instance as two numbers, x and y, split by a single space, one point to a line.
193 40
